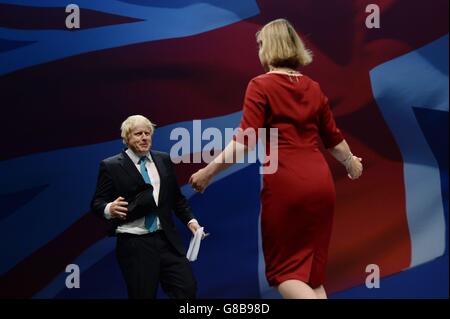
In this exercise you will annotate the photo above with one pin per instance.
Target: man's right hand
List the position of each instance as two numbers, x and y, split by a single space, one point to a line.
118 208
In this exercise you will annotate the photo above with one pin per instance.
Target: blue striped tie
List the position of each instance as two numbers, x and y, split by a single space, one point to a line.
150 219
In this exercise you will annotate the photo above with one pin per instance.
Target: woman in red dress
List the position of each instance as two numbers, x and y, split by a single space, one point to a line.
297 200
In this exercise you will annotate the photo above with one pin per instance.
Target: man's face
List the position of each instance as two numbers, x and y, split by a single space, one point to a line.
139 140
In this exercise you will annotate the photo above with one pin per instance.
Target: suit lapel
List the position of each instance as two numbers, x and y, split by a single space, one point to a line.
162 172
128 165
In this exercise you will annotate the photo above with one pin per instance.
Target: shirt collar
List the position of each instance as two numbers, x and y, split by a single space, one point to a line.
135 158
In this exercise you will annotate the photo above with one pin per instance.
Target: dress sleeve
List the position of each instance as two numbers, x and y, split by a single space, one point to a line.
329 133
253 115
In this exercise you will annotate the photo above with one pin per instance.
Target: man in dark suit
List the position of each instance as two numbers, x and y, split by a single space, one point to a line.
149 249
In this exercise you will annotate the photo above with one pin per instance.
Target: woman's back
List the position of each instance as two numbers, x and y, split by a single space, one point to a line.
295 105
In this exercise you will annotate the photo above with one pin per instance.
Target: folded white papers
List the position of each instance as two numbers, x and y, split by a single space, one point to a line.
194 245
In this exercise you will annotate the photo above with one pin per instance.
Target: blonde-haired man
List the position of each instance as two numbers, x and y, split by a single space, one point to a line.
136 192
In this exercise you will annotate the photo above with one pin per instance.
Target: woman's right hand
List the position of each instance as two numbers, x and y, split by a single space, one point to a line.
200 180
355 167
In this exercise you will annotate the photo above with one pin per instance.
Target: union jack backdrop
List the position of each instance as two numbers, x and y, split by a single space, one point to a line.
64 94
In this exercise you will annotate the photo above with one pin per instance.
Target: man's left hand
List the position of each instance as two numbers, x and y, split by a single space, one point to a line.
193 227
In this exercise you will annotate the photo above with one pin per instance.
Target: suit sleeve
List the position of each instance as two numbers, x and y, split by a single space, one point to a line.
181 206
104 191
329 133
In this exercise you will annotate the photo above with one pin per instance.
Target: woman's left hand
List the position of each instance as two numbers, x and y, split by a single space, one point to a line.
200 180
355 168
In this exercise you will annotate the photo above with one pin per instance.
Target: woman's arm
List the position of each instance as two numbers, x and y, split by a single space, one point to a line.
342 153
232 153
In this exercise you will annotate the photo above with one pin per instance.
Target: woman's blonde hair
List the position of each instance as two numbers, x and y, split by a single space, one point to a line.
131 122
281 46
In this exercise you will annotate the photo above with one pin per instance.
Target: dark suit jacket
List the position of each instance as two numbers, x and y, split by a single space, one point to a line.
118 176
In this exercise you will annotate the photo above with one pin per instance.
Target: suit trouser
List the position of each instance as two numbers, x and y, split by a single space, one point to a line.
147 260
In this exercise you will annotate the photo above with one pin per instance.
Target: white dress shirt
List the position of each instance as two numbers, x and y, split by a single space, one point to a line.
137 226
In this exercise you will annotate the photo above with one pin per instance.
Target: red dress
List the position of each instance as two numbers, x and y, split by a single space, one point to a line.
297 201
